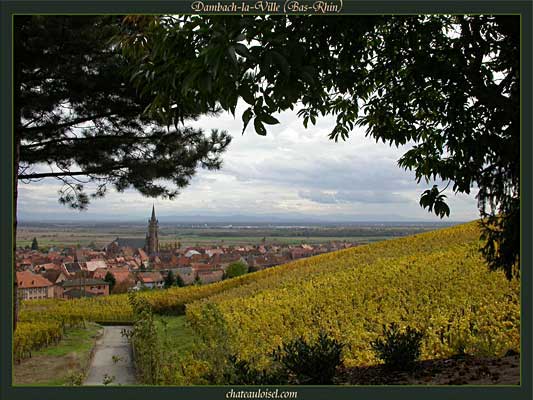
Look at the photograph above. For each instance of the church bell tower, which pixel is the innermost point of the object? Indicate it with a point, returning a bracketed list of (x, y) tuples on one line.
[(152, 239)]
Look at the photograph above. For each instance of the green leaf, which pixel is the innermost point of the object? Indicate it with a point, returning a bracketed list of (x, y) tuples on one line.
[(269, 102), (266, 62), (259, 127), (282, 62), (307, 77), (188, 81), (232, 55), (247, 94), (246, 117), (269, 119), (242, 50)]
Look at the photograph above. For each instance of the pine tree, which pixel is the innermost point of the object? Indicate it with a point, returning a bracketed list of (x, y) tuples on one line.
[(169, 280), (179, 281), (110, 278), (76, 111)]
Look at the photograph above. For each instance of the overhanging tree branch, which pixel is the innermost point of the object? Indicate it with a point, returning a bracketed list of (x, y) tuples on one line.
[(55, 127), (86, 139), (71, 173)]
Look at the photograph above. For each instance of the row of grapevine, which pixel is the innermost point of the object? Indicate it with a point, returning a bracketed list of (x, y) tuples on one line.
[(34, 335), (436, 282)]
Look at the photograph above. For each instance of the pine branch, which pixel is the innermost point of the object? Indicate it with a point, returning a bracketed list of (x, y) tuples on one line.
[(107, 170), (53, 127), (87, 139)]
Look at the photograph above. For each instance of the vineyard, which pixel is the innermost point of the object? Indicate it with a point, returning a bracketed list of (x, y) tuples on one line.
[(435, 282)]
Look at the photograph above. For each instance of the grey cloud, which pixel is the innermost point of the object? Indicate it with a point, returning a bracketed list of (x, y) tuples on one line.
[(327, 173), (353, 196), (318, 196)]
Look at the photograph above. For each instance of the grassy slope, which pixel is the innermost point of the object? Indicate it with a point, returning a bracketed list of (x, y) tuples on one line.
[(175, 333)]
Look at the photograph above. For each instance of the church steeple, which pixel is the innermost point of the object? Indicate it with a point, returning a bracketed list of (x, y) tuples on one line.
[(153, 213), (152, 239)]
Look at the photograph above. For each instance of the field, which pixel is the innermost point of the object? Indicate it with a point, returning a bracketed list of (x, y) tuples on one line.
[(99, 235), (436, 282)]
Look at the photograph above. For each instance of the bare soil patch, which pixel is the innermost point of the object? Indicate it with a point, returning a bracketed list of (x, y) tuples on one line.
[(455, 371)]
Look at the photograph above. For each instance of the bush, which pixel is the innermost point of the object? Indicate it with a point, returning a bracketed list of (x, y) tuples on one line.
[(398, 350), (235, 269), (74, 378), (312, 363), (241, 372), (179, 281)]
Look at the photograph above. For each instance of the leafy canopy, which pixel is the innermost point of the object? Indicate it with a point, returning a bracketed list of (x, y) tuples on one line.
[(446, 86)]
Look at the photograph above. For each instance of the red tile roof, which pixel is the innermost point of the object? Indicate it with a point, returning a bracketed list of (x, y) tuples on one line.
[(47, 267), (100, 273), (26, 279), (149, 277), (121, 276), (201, 266)]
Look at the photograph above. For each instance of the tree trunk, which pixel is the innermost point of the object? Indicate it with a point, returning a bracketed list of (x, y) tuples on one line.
[(15, 197), (17, 123)]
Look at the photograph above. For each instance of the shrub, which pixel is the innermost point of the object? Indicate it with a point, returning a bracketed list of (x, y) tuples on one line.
[(398, 350), (241, 372), (179, 281), (311, 363), (213, 348), (235, 269), (143, 338), (74, 378)]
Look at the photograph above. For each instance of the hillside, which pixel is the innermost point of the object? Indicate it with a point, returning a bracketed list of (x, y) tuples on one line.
[(436, 282)]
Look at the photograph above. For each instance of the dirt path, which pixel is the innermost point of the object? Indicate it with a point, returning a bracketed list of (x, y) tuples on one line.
[(112, 361)]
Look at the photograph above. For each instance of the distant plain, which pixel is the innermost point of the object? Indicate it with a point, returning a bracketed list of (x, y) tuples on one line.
[(205, 234)]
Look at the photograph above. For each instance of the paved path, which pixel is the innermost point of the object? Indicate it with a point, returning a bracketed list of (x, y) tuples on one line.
[(110, 344)]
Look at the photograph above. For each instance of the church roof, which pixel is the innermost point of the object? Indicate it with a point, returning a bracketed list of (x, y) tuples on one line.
[(135, 243)]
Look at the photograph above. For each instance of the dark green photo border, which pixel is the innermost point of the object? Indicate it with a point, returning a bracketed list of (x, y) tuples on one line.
[(8, 392)]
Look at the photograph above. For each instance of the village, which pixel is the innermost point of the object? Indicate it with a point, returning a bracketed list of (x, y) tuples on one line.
[(133, 264)]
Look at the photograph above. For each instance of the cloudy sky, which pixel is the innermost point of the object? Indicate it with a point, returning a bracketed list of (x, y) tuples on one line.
[(291, 173)]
